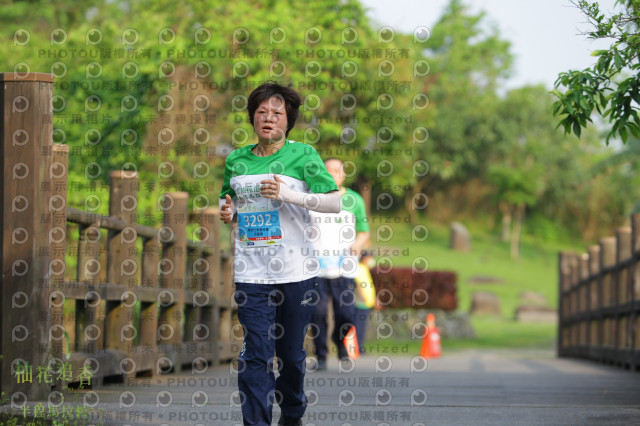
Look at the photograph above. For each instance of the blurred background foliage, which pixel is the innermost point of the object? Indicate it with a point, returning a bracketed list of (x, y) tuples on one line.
[(160, 87)]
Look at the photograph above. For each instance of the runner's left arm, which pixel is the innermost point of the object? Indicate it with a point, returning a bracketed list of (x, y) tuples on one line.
[(321, 203), (277, 189)]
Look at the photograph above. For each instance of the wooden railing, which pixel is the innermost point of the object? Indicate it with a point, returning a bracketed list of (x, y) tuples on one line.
[(599, 300), (143, 300)]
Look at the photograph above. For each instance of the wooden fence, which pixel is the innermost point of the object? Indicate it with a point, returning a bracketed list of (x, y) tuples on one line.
[(599, 300), (142, 311)]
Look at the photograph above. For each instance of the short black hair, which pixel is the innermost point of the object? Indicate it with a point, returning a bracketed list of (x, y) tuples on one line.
[(269, 89)]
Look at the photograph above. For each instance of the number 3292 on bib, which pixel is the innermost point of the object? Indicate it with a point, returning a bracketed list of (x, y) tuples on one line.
[(259, 229)]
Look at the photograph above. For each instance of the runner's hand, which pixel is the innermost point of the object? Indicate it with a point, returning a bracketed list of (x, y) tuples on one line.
[(226, 215), (271, 187)]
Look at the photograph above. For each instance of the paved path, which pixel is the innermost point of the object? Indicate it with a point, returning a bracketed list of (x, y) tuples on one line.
[(461, 388)]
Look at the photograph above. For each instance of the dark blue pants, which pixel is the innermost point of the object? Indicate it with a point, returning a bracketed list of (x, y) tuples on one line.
[(275, 318), (361, 319), (341, 292)]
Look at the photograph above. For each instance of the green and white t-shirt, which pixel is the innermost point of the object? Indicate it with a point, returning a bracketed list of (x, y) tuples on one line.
[(336, 232), (272, 245)]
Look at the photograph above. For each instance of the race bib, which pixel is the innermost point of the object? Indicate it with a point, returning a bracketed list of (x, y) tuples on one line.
[(259, 227)]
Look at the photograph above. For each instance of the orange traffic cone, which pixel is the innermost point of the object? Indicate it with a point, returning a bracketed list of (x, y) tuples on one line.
[(431, 347), (351, 343)]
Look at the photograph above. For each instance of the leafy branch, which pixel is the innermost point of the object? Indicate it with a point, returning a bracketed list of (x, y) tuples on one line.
[(612, 86)]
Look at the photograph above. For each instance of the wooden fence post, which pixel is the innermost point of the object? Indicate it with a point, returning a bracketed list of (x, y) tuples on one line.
[(149, 311), (193, 312), (593, 301), (623, 251), (26, 132), (594, 269), (607, 259), (623, 288), (58, 173), (564, 276), (579, 301), (122, 267), (210, 235), (584, 276), (90, 310), (568, 306), (172, 275), (227, 338)]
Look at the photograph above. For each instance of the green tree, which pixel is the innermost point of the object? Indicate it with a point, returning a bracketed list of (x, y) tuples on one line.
[(516, 170), (468, 63), (586, 190), (612, 86)]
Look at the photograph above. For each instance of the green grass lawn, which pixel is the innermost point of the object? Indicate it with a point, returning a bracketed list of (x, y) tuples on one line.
[(495, 332), (535, 270), (492, 332)]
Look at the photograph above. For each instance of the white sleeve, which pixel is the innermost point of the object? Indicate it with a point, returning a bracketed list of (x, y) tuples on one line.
[(321, 203)]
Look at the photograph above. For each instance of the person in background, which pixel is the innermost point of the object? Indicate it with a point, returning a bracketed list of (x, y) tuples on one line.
[(339, 240), (271, 186), (365, 297)]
